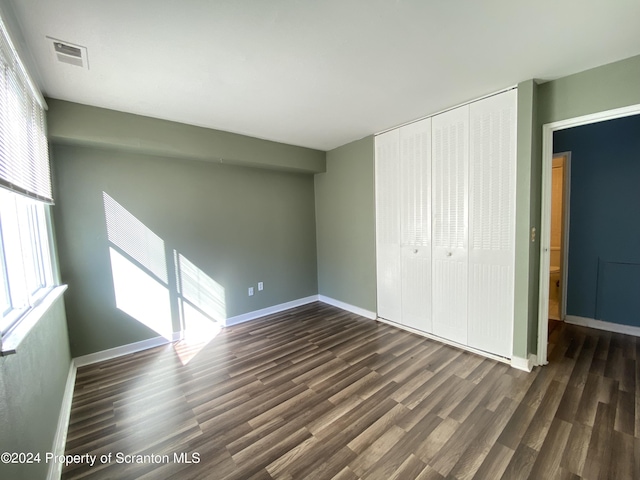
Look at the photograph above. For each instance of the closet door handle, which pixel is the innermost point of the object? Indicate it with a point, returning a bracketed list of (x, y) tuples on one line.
[(449, 254)]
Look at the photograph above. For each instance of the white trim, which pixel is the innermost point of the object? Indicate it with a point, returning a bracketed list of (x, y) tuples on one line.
[(594, 118), (445, 341), (545, 214), (124, 350), (525, 364), (10, 342), (60, 440), (601, 325), (349, 308), (545, 244), (245, 317)]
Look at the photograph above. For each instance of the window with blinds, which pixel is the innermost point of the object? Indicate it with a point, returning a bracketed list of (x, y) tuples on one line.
[(24, 154), (26, 275)]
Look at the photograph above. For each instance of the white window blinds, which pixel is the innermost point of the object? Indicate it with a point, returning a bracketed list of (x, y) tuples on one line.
[(24, 153)]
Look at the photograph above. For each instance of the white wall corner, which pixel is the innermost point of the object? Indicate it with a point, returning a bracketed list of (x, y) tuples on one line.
[(350, 308), (60, 439), (525, 364)]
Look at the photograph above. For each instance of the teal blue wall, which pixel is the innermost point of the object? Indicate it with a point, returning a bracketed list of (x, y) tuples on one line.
[(604, 233)]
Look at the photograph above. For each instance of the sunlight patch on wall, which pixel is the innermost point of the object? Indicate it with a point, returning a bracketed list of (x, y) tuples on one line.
[(203, 308), (139, 269), (134, 238), (199, 289), (140, 295)]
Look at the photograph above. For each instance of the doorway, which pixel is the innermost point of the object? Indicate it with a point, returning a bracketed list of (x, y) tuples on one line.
[(545, 224), (559, 229)]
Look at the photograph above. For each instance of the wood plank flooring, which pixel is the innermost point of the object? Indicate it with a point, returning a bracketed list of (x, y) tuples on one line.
[(319, 393)]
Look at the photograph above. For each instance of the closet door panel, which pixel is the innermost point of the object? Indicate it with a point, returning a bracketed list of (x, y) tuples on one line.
[(490, 308), (388, 259), (450, 158), (492, 169), (415, 224), (415, 183), (416, 288)]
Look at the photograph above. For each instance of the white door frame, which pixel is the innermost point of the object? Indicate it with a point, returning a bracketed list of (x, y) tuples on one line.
[(545, 220)]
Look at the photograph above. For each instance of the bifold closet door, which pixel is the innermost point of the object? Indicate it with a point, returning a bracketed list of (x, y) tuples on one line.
[(450, 159), (415, 224), (388, 263), (492, 171)]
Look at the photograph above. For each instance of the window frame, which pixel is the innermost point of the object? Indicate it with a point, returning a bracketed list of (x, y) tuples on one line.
[(32, 241), (30, 275)]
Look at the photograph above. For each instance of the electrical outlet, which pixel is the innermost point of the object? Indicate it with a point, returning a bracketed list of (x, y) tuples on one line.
[(260, 286), (250, 291)]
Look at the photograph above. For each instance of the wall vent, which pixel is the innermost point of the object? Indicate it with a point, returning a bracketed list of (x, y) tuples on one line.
[(69, 53)]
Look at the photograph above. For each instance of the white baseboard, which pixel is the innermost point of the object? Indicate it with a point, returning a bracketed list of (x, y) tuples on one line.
[(600, 325), (60, 440), (525, 364), (124, 350), (157, 341), (349, 308), (245, 317)]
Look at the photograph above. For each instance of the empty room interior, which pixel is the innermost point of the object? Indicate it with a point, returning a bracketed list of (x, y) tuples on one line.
[(342, 239)]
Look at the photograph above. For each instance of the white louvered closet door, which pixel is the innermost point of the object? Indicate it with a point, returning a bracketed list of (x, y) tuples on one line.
[(415, 224), (388, 264), (492, 169), (450, 157)]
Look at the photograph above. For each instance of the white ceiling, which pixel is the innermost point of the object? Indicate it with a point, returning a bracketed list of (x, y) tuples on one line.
[(316, 73)]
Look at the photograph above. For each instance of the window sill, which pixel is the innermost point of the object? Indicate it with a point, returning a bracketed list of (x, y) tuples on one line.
[(12, 340)]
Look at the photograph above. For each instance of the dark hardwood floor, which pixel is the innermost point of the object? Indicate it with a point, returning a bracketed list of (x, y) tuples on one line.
[(316, 392)]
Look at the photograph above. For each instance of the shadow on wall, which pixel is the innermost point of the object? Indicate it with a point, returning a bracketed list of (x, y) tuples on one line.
[(187, 302)]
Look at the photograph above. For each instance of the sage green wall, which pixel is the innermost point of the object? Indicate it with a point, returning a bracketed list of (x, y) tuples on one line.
[(99, 127), (525, 248), (345, 224), (603, 88), (600, 89), (32, 383), (238, 225)]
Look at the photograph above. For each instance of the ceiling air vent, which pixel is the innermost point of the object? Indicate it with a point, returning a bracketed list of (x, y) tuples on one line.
[(69, 53)]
